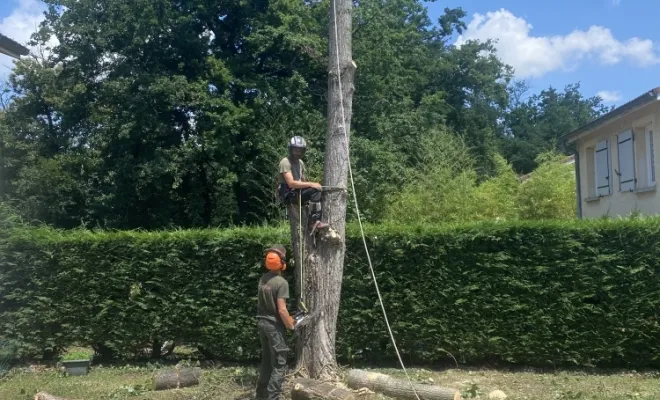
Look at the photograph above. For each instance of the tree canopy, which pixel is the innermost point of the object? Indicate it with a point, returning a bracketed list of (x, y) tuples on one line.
[(157, 113)]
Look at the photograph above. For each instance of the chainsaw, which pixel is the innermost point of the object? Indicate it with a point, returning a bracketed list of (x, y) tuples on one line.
[(302, 317)]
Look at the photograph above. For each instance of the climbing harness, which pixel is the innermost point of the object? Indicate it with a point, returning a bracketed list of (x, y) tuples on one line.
[(357, 210)]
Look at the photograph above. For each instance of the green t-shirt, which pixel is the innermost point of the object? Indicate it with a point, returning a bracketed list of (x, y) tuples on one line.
[(271, 287), (296, 169)]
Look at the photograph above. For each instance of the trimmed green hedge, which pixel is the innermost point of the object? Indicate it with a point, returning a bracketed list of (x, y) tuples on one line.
[(580, 293)]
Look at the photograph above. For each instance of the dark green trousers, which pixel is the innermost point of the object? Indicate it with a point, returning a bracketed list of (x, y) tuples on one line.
[(273, 359)]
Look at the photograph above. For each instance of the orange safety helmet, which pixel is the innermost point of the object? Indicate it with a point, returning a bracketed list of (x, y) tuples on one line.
[(275, 258)]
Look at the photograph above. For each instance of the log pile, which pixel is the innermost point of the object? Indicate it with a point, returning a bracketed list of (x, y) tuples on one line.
[(398, 388)]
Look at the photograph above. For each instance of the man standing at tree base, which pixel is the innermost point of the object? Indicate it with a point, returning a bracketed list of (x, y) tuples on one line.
[(273, 317)]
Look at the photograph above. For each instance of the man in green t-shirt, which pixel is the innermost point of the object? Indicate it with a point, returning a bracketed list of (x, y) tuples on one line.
[(292, 182), (273, 317)]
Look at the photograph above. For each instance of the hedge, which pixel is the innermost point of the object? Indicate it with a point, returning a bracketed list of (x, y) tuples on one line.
[(579, 293)]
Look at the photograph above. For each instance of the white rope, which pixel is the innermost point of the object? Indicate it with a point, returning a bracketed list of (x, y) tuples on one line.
[(357, 210), (300, 248)]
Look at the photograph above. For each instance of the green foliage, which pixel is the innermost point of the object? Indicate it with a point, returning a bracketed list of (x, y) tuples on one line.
[(552, 293), (76, 355), (8, 218), (533, 126), (178, 116), (550, 191), (444, 188), (439, 187), (9, 354)]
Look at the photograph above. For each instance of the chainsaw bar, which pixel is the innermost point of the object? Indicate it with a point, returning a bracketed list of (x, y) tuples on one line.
[(304, 320)]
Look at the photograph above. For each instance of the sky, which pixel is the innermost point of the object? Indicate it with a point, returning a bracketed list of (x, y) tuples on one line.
[(611, 47)]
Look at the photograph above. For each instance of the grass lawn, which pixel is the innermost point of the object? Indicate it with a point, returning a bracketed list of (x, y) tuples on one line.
[(223, 382)]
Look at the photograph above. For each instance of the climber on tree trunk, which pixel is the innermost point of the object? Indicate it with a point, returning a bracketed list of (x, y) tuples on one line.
[(292, 182)]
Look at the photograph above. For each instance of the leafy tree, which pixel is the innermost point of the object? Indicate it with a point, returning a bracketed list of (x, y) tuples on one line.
[(495, 198), (177, 115), (441, 188), (534, 126), (549, 193)]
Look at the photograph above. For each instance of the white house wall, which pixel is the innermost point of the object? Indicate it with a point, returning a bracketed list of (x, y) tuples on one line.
[(645, 198)]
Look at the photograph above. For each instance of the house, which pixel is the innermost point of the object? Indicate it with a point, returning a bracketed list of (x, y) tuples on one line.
[(616, 160), (12, 48)]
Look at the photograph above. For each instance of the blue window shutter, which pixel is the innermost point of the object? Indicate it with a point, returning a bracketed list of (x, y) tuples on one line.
[(626, 172), (602, 168)]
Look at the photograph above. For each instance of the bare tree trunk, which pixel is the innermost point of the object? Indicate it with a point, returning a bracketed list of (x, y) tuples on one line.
[(324, 252), (399, 388)]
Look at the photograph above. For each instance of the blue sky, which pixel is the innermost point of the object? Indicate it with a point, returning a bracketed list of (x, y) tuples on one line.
[(611, 47)]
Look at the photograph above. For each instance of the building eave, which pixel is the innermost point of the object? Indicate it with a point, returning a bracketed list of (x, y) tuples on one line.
[(12, 48), (644, 100)]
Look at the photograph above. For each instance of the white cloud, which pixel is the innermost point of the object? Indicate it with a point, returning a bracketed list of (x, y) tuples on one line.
[(609, 96), (19, 25), (534, 56)]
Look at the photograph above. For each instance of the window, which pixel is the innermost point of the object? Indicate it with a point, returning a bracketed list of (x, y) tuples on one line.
[(602, 168), (626, 170), (650, 156)]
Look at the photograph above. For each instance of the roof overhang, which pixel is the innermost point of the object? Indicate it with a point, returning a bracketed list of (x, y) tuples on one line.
[(644, 100), (12, 48)]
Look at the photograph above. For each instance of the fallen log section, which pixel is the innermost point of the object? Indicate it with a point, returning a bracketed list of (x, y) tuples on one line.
[(46, 396), (310, 389), (177, 378), (398, 388)]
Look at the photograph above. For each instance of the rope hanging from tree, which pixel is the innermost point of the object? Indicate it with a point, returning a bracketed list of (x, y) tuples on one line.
[(357, 210)]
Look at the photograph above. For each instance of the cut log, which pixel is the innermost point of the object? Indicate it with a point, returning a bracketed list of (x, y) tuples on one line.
[(398, 388), (177, 378), (46, 396), (310, 389)]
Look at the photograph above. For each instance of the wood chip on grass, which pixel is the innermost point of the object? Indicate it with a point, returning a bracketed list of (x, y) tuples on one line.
[(127, 383)]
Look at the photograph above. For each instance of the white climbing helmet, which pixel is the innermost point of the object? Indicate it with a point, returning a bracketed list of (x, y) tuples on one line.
[(297, 142)]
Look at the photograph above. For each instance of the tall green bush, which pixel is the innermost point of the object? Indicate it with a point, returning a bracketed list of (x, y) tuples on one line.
[(444, 188), (573, 293), (550, 191)]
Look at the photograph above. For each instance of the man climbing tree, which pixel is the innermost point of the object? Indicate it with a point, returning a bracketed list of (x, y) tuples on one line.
[(293, 186)]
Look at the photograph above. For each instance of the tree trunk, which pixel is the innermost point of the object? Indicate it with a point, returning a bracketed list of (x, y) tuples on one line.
[(324, 253), (46, 396), (177, 378), (398, 388), (308, 389)]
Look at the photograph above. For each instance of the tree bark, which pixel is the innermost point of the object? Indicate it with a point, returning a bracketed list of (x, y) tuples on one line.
[(46, 396), (177, 378), (398, 388), (308, 389), (324, 253)]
